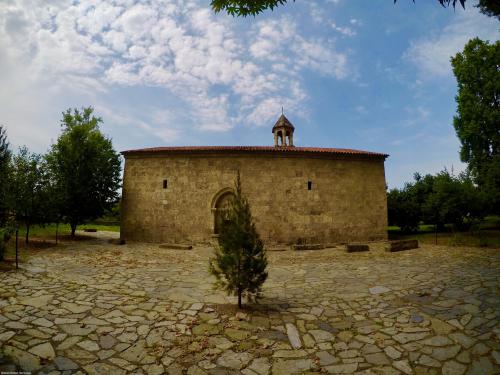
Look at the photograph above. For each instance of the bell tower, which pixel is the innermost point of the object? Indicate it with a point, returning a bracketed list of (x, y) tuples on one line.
[(283, 132)]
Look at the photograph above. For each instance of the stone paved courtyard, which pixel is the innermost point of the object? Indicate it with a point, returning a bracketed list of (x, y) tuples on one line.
[(97, 308)]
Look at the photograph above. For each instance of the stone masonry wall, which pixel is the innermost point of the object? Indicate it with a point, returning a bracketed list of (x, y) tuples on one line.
[(347, 201)]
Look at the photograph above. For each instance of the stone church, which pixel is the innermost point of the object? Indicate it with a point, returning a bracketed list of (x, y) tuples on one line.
[(297, 194)]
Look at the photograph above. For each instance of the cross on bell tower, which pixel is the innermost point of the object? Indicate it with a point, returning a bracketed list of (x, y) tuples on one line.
[(283, 132)]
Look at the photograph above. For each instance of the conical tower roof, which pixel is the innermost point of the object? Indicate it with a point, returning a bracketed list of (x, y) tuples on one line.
[(283, 122)]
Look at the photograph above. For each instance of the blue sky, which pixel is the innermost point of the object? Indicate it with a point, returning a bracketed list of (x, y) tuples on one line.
[(353, 74)]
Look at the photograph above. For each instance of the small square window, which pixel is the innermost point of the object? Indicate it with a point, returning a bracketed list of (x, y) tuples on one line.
[(309, 185), (165, 184)]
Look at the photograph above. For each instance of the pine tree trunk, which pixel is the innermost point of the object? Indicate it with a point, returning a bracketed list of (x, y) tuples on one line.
[(239, 285), (27, 233)]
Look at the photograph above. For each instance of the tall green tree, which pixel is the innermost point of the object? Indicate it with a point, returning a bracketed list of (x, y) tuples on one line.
[(85, 168), (403, 209), (477, 122), (240, 260), (29, 189), (453, 200), (5, 159)]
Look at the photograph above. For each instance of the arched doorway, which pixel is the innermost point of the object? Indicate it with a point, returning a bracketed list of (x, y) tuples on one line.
[(221, 206)]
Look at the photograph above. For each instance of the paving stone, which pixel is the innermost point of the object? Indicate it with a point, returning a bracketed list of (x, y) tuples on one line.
[(443, 354), (236, 334), (103, 354), (428, 361), (403, 366), (89, 345), (480, 349), (464, 357), (205, 329), (321, 336), (157, 369), (377, 359), (496, 356), (403, 338), (5, 336), (77, 329), (292, 366), (348, 353), (440, 327), (135, 353), (69, 342), (437, 341), (75, 308), (234, 360), (103, 369), (107, 341), (289, 353), (260, 366), (481, 366), (346, 368), (65, 364), (392, 352), (293, 336), (379, 289), (42, 322), (326, 358), (44, 350), (453, 368), (464, 340), (345, 336), (27, 361), (415, 318), (17, 325), (38, 301)]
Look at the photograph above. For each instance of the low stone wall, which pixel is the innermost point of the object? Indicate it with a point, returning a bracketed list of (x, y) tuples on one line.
[(308, 247), (356, 248), (402, 245)]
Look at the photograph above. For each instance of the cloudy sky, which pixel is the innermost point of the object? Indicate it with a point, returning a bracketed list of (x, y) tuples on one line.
[(355, 74)]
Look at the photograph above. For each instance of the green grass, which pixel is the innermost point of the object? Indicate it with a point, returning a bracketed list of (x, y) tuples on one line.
[(42, 237), (49, 231), (488, 236)]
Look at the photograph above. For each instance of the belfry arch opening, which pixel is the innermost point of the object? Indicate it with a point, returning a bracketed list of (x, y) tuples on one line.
[(220, 208)]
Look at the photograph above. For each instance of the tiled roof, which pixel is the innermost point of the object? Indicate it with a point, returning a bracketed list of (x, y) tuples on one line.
[(253, 149)]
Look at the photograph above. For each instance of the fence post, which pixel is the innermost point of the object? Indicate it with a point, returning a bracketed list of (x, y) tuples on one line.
[(17, 247)]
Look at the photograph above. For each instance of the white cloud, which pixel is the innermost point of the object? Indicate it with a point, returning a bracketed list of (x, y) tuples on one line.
[(223, 75), (279, 41), (346, 30), (431, 54)]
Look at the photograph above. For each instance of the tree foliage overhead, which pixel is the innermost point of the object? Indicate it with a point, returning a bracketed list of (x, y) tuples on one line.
[(490, 8), (243, 8), (85, 167), (477, 121), (240, 260)]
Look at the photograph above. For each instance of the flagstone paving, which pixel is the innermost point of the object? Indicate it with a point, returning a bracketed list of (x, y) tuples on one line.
[(96, 308)]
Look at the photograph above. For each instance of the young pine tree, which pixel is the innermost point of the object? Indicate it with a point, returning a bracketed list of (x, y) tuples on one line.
[(240, 260)]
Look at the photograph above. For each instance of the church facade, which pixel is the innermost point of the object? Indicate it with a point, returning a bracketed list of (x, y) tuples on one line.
[(296, 194)]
